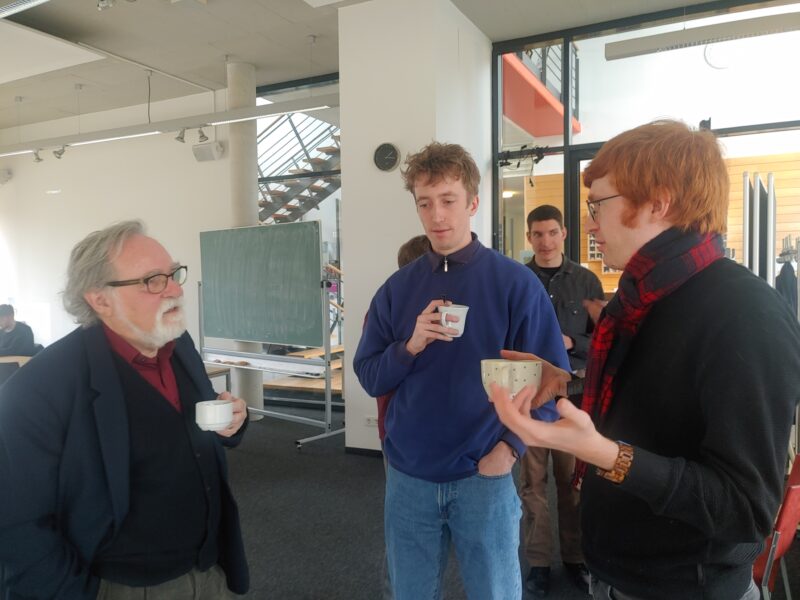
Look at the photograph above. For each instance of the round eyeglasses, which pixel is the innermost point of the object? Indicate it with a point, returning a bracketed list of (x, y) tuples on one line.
[(591, 205), (156, 283)]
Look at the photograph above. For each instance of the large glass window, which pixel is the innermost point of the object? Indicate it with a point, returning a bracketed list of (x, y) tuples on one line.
[(715, 71), (527, 185), (299, 168), (733, 83), (533, 111)]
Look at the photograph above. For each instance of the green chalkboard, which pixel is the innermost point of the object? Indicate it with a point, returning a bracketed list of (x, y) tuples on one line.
[(262, 284)]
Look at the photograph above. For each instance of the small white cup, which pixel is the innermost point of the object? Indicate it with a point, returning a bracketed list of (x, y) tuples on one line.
[(457, 310), (213, 415), (511, 374)]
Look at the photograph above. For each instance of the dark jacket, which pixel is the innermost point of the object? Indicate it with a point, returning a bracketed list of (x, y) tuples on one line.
[(64, 467), (18, 341), (568, 288), (705, 395)]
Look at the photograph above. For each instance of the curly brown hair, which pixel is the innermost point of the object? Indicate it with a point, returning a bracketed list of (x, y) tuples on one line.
[(438, 161)]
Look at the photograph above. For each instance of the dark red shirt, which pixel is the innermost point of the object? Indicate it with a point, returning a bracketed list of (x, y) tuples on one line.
[(156, 371)]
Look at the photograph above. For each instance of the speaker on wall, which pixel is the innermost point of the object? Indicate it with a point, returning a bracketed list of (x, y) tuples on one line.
[(209, 151)]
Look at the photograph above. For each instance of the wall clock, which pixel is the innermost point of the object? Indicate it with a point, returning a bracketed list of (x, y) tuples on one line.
[(386, 157)]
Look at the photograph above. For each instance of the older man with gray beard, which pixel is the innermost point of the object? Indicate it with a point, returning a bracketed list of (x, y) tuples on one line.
[(111, 491)]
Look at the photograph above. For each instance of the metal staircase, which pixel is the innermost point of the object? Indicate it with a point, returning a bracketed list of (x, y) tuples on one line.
[(299, 166)]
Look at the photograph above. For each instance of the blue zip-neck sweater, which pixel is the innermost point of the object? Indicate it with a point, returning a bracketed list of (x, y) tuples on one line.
[(440, 423)]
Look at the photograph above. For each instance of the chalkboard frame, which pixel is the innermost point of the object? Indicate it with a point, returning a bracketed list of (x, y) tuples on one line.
[(264, 284)]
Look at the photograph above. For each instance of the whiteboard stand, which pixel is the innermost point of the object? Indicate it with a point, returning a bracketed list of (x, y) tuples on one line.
[(268, 285), (285, 365), (291, 365)]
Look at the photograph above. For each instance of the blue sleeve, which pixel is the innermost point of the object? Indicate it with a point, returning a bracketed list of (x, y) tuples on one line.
[(381, 361), (537, 331)]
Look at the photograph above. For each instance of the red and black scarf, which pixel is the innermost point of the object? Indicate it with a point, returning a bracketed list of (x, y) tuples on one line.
[(660, 267)]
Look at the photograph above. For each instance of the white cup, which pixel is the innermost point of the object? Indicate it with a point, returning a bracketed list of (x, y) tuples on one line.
[(511, 374), (457, 310), (213, 415)]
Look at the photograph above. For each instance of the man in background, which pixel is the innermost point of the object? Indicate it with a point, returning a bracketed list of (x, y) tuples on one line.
[(568, 284), (449, 478), (110, 489), (16, 338)]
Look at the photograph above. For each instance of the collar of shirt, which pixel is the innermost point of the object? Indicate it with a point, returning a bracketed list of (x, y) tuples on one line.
[(132, 356), (565, 267), (157, 371), (459, 257)]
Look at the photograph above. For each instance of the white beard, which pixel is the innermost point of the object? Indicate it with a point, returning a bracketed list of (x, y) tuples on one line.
[(164, 330)]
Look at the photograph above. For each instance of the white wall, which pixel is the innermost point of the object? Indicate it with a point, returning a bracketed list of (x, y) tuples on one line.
[(153, 178), (411, 72)]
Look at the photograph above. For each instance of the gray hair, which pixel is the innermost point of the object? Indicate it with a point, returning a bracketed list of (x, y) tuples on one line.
[(90, 266)]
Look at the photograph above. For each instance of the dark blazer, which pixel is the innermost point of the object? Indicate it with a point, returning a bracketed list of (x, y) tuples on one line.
[(64, 465)]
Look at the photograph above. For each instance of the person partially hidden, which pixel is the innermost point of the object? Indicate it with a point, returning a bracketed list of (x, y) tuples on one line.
[(16, 338)]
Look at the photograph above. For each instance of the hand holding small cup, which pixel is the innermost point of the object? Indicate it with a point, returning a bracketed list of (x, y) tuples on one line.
[(224, 415), (454, 316), (431, 326)]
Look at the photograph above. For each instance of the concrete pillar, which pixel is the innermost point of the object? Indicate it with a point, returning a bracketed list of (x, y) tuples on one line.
[(244, 200)]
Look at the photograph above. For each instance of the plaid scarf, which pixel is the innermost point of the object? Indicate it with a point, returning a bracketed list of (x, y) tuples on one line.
[(659, 268)]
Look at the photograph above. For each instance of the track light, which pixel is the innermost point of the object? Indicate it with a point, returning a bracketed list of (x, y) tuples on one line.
[(36, 157), (180, 136), (234, 115), (700, 36), (201, 137), (60, 152)]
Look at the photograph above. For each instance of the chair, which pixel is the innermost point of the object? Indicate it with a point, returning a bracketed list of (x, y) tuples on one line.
[(777, 544), (7, 370)]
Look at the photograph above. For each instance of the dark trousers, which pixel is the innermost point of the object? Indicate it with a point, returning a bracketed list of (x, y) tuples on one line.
[(537, 530), (600, 590)]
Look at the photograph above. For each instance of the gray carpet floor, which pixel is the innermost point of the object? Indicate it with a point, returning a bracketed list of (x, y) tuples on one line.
[(313, 520)]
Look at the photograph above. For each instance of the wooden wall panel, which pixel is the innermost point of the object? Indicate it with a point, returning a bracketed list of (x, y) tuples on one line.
[(786, 168)]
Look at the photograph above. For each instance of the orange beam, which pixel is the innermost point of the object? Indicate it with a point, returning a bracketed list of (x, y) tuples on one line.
[(529, 104)]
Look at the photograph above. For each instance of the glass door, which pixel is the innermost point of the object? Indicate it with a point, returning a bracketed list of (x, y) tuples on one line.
[(580, 244)]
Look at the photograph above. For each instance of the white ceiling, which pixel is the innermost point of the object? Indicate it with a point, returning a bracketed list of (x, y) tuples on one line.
[(192, 39)]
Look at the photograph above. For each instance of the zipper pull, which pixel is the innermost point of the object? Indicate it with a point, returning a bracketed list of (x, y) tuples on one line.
[(445, 264)]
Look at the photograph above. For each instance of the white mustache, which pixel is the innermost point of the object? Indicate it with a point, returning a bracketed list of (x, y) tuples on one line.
[(169, 304)]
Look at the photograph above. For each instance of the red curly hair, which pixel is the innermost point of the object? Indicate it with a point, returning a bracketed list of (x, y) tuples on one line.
[(668, 157)]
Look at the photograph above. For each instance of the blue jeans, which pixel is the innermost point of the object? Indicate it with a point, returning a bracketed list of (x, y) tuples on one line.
[(478, 515)]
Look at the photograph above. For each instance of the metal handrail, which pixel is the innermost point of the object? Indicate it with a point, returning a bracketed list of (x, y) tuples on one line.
[(545, 63)]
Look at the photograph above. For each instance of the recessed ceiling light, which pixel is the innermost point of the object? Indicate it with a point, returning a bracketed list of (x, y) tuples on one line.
[(52, 192)]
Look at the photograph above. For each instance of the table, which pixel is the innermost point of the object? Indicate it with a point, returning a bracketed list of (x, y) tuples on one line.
[(213, 371), (20, 360)]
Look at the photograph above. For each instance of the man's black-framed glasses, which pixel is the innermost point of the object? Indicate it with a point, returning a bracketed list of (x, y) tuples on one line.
[(591, 205), (156, 283)]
